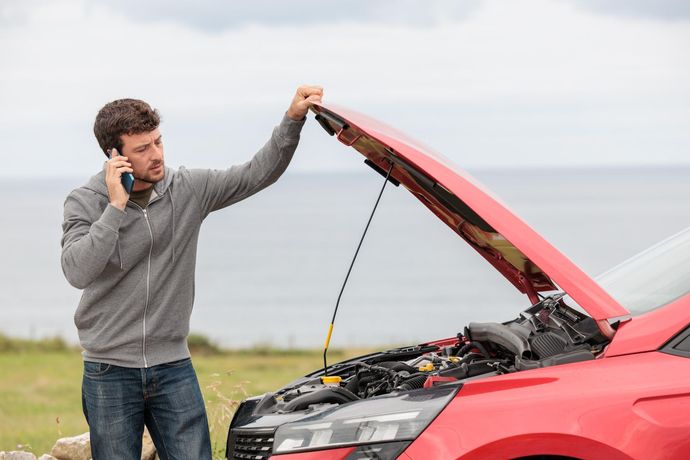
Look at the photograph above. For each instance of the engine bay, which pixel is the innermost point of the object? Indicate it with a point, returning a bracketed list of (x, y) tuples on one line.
[(546, 334)]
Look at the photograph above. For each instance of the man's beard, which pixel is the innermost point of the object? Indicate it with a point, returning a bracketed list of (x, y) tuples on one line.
[(142, 179), (148, 179)]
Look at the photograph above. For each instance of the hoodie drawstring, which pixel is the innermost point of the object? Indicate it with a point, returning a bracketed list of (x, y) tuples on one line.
[(119, 254), (172, 203)]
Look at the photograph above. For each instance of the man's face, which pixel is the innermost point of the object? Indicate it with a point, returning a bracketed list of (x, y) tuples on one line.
[(145, 153)]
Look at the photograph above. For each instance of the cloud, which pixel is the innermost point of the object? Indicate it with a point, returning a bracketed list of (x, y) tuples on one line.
[(516, 83), (215, 16), (667, 10), (17, 12)]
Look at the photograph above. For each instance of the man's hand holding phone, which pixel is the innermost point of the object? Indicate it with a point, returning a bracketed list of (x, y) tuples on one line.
[(115, 167)]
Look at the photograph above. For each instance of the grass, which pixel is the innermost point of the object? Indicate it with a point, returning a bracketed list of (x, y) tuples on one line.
[(40, 387)]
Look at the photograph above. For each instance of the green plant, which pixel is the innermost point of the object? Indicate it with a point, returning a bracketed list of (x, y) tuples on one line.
[(14, 344), (220, 409), (201, 345)]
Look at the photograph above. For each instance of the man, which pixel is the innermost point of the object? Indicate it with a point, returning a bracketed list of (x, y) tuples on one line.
[(134, 257)]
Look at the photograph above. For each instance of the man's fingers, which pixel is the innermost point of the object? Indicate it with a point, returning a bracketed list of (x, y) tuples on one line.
[(314, 98), (315, 90), (318, 87), (305, 97), (307, 91), (119, 163), (308, 102), (310, 99), (117, 173)]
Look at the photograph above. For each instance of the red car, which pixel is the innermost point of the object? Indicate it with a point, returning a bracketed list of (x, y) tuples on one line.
[(588, 370)]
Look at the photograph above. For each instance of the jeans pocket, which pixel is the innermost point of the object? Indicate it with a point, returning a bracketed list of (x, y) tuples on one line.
[(95, 369)]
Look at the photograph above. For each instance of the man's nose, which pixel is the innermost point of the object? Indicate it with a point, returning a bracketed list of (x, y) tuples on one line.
[(157, 153)]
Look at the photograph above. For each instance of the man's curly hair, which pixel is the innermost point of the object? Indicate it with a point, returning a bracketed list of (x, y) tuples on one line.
[(123, 116)]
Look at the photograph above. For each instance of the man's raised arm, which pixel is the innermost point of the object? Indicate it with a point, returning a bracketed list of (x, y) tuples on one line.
[(217, 189)]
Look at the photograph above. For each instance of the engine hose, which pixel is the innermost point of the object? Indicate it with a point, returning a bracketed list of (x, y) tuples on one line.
[(459, 372), (413, 383), (327, 395), (397, 366), (469, 346), (375, 368), (503, 336), (481, 348), (464, 349), (467, 359), (365, 380), (353, 384)]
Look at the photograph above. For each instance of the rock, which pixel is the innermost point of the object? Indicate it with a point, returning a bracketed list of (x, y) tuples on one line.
[(17, 455), (148, 450), (79, 448), (74, 448)]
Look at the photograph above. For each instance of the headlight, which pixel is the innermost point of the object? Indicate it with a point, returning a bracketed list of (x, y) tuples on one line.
[(386, 418)]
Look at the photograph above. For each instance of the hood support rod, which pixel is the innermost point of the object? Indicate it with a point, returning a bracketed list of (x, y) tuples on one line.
[(337, 303), (528, 284)]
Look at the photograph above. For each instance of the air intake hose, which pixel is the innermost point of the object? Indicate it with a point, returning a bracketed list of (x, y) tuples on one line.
[(503, 336)]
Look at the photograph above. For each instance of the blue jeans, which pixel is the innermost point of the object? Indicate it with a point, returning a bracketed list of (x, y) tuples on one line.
[(119, 401)]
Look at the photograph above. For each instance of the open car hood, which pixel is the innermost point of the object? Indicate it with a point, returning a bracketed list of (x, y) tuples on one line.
[(526, 259)]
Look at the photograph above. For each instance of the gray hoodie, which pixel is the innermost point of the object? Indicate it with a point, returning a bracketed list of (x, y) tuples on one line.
[(136, 266)]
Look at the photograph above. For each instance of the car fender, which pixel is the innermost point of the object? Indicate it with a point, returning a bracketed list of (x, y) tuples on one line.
[(556, 444)]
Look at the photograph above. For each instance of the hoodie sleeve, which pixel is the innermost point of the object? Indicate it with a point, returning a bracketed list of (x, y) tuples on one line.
[(217, 189), (86, 245)]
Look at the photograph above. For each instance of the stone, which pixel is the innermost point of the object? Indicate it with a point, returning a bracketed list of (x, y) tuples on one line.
[(79, 448), (17, 455), (74, 448)]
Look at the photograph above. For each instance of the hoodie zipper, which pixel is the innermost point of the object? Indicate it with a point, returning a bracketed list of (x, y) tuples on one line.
[(148, 282)]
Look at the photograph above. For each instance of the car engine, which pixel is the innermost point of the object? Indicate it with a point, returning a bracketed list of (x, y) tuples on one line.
[(547, 334)]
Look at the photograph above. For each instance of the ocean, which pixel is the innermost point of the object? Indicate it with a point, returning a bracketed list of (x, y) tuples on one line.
[(269, 269)]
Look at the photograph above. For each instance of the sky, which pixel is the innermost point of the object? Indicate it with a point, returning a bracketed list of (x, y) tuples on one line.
[(488, 83)]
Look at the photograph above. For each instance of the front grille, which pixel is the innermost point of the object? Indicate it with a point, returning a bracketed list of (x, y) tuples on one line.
[(250, 445)]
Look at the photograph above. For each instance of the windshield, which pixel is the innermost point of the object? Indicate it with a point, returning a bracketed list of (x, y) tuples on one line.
[(653, 278)]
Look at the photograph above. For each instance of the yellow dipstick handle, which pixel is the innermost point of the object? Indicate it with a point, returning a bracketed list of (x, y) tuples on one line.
[(328, 337)]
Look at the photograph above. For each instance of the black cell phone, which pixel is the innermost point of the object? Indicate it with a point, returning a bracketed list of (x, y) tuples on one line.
[(126, 178)]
